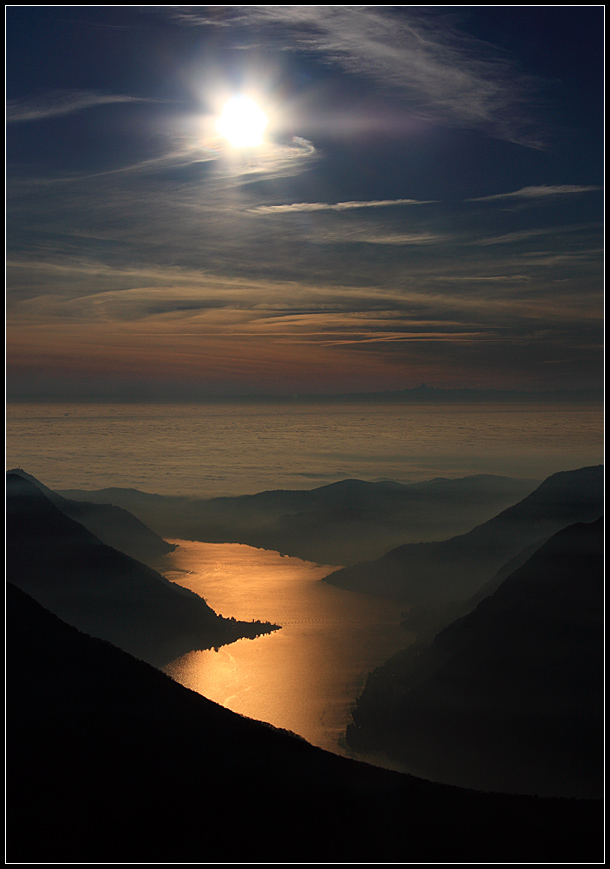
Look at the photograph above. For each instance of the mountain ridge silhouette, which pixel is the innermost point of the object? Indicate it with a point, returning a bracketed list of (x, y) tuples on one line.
[(103, 591), (109, 760), (510, 696), (438, 573), (111, 524), (340, 523)]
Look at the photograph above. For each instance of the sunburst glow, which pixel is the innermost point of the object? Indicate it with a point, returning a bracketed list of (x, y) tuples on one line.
[(242, 123)]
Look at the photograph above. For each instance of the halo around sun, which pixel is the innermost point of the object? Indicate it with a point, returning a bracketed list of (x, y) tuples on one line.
[(242, 123)]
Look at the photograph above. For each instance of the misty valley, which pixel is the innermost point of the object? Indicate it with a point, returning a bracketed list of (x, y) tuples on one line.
[(470, 659)]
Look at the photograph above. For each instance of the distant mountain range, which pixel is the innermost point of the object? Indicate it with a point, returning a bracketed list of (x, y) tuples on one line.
[(435, 574), (509, 697), (341, 523), (431, 394), (101, 590), (109, 761), (422, 394)]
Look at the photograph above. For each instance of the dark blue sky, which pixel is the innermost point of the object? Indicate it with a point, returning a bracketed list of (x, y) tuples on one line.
[(426, 204)]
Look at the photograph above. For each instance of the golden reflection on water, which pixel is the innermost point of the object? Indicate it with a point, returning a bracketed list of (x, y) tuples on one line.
[(303, 677)]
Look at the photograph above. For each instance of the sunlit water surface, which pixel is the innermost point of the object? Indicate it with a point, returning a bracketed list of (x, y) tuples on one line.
[(304, 677)]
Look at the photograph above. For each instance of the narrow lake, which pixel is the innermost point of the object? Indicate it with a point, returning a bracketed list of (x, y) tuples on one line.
[(304, 677)]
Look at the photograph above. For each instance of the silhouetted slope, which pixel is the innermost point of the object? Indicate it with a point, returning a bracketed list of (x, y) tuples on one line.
[(110, 761), (455, 569), (342, 523), (102, 591), (427, 621), (510, 697), (112, 525)]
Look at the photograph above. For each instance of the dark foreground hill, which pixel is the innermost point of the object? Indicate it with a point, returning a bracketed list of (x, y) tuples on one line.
[(103, 591), (112, 525), (342, 523), (434, 574), (110, 761), (509, 697)]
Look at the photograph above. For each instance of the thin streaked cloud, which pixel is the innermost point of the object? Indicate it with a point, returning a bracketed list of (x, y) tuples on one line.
[(520, 236), (399, 239), (539, 192), (370, 234), (54, 290), (62, 102), (295, 207), (488, 279)]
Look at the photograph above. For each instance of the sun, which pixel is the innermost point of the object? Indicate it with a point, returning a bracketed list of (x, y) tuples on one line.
[(242, 123)]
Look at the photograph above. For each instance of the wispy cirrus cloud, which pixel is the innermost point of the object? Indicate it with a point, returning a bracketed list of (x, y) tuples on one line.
[(398, 238), (368, 233), (62, 102), (518, 236), (446, 75), (294, 207), (485, 279), (541, 191), (53, 290)]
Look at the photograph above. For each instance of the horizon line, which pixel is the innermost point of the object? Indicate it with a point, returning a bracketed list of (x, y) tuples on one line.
[(423, 391)]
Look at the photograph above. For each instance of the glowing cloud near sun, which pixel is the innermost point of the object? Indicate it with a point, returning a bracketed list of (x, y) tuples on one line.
[(242, 123)]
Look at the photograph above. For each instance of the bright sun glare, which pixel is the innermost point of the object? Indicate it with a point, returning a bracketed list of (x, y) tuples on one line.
[(242, 123)]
